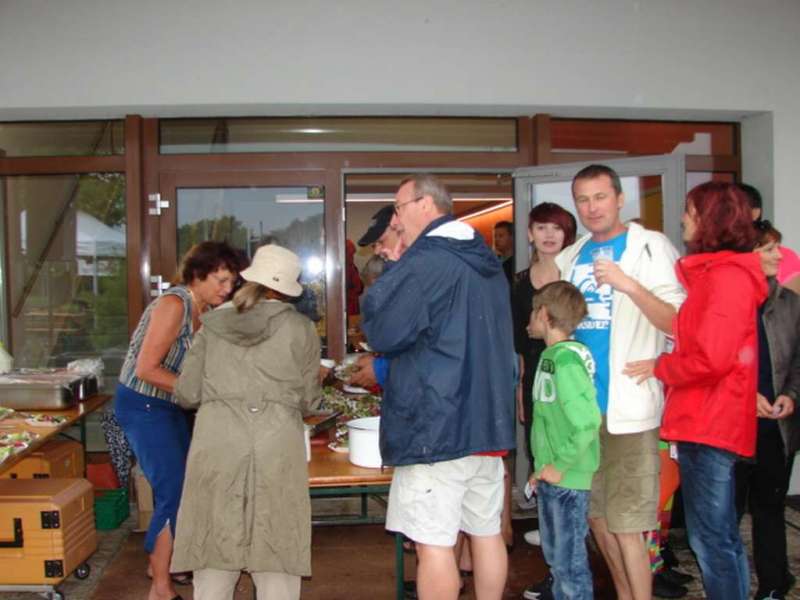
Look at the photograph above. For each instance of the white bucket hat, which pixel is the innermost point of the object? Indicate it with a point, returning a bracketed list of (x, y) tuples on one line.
[(276, 268)]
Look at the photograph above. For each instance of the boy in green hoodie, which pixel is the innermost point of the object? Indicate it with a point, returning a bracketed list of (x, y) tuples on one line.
[(565, 437)]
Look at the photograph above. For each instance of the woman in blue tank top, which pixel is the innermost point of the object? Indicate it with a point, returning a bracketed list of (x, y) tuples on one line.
[(154, 425)]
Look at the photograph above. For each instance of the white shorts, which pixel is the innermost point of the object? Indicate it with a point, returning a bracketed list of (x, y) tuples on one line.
[(431, 503)]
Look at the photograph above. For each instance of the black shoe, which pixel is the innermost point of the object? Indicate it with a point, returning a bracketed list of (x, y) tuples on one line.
[(663, 588), (772, 595), (789, 583), (670, 560), (540, 591), (676, 577)]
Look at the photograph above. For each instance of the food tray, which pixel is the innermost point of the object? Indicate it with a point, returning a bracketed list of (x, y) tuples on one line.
[(47, 389)]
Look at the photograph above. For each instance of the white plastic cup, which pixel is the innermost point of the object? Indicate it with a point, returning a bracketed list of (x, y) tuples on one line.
[(603, 253)]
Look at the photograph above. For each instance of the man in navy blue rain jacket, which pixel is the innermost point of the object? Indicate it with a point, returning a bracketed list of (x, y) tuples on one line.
[(441, 315)]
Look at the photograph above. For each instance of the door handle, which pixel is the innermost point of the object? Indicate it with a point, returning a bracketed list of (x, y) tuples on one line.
[(158, 285)]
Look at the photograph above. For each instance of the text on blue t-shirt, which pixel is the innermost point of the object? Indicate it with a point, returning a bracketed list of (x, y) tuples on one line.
[(595, 330)]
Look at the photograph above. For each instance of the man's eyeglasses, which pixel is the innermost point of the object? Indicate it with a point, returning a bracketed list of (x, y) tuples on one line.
[(397, 207)]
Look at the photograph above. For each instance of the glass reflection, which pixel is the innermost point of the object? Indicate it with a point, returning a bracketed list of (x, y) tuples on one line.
[(249, 217), (67, 272)]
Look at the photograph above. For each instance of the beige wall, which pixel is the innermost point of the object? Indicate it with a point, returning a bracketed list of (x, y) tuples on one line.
[(729, 59)]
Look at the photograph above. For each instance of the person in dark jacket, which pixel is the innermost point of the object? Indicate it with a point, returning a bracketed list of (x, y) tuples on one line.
[(503, 235), (762, 484), (441, 315)]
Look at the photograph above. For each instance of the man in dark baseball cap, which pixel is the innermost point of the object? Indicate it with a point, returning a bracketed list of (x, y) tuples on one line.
[(386, 243), (377, 227)]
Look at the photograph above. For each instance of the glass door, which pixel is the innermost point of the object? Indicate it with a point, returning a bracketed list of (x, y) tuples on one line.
[(248, 210), (654, 188)]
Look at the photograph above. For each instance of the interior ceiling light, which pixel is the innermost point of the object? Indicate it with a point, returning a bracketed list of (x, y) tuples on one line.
[(486, 210)]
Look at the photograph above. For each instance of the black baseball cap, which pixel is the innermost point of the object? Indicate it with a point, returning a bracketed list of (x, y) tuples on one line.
[(380, 221)]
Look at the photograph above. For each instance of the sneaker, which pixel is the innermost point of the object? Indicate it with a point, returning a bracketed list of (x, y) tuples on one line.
[(540, 591), (533, 537), (773, 595)]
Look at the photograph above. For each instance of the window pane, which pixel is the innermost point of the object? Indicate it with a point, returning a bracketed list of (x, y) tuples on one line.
[(338, 134), (63, 138), (67, 273), (251, 217), (616, 139)]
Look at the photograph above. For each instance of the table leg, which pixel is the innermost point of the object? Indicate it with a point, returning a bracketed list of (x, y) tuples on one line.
[(82, 426), (399, 565)]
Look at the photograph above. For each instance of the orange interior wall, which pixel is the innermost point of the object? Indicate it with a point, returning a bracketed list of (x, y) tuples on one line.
[(484, 224)]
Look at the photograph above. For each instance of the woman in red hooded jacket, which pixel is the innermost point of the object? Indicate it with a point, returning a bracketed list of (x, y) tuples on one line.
[(711, 377)]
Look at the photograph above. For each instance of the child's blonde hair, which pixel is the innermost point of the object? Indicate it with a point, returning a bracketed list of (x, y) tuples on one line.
[(566, 306)]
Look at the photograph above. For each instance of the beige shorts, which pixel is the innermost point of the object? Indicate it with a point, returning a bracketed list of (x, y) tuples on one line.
[(431, 503), (625, 487)]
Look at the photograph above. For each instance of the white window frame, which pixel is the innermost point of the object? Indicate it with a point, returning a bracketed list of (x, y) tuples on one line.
[(671, 168)]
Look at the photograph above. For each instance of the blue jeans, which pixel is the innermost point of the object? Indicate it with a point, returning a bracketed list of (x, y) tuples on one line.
[(159, 437), (709, 500), (563, 527)]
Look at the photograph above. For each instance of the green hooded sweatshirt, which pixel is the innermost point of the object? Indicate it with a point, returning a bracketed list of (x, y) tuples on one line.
[(566, 418)]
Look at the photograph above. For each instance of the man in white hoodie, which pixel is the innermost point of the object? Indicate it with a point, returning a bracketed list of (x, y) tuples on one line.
[(627, 276)]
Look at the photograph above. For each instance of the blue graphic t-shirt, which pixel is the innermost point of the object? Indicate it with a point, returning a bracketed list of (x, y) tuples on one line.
[(595, 330)]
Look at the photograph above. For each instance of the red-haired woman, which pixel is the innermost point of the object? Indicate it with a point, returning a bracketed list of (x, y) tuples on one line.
[(550, 229), (712, 376)]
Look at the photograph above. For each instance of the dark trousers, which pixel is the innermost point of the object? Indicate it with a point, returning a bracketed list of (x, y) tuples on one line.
[(761, 488)]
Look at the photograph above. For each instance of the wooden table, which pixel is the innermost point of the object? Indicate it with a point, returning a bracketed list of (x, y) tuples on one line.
[(332, 474), (76, 414)]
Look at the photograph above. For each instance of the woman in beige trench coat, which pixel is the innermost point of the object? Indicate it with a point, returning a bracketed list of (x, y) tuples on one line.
[(252, 372)]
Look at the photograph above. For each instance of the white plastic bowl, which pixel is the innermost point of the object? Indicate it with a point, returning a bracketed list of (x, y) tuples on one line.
[(363, 442)]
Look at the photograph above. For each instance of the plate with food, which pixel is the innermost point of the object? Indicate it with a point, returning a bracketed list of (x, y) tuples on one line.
[(344, 372), (44, 420)]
